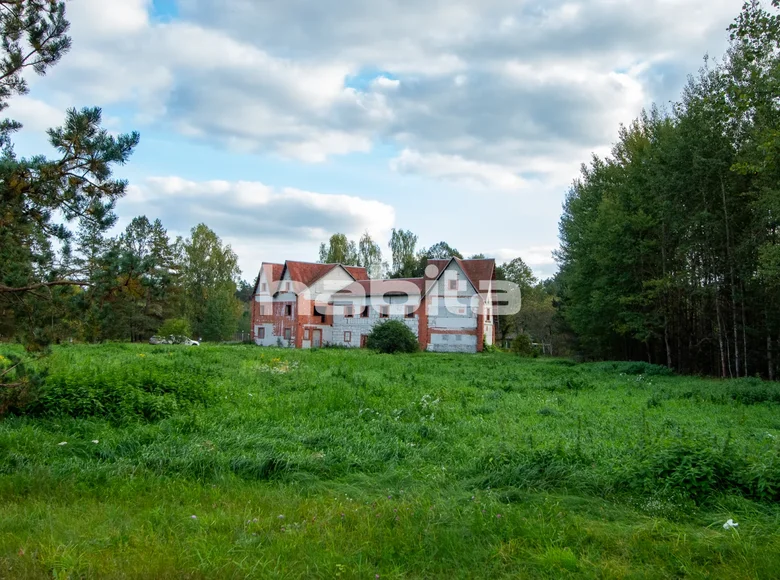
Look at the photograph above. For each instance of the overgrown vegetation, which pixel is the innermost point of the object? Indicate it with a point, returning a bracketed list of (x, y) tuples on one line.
[(416, 465), (391, 337)]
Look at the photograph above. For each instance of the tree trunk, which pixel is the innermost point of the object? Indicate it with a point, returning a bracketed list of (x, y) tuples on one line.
[(744, 335), (770, 362), (720, 339), (731, 277)]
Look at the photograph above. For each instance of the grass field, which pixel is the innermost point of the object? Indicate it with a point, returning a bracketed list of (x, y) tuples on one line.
[(242, 462)]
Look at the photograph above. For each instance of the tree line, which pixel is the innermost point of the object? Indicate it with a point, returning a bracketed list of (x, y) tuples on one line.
[(669, 247), (61, 275)]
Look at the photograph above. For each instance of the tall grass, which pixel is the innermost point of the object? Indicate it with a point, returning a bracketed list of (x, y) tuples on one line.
[(404, 466)]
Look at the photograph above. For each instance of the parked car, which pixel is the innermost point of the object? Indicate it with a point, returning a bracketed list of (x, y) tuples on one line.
[(173, 340)]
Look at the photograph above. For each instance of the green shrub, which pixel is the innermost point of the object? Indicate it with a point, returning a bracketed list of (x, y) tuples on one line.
[(175, 327), (523, 346), (694, 469), (391, 337), (129, 388)]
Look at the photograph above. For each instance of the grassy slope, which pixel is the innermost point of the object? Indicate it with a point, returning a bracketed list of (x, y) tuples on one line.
[(355, 465)]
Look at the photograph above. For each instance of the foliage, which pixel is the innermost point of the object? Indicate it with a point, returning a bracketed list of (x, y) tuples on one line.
[(125, 387), (209, 279), (366, 254), (402, 248), (661, 242), (175, 327), (392, 336), (339, 250), (523, 346)]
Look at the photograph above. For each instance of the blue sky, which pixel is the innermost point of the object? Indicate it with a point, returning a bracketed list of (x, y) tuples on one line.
[(279, 123)]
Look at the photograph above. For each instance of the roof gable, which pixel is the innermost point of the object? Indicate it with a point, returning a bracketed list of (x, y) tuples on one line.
[(474, 270), (273, 273), (307, 273)]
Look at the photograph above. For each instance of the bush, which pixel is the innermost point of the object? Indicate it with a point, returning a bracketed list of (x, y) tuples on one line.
[(523, 346), (391, 337), (175, 327), (126, 389)]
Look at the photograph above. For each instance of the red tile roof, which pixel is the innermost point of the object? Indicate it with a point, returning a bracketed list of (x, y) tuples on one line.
[(357, 272), (402, 286), (478, 271), (307, 272)]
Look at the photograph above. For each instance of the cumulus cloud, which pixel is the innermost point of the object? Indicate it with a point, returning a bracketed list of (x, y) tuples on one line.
[(459, 170), (539, 258), (490, 82), (254, 211), (261, 223)]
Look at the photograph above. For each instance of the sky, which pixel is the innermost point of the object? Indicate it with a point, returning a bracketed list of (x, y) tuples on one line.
[(280, 122)]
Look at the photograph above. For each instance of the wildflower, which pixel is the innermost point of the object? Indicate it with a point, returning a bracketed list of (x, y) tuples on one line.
[(280, 516), (95, 441), (731, 524), (194, 517), (498, 516), (62, 443)]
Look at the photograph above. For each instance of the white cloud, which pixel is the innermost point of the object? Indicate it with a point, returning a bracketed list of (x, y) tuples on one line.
[(262, 223), (509, 78), (34, 114), (538, 258), (454, 168), (257, 211)]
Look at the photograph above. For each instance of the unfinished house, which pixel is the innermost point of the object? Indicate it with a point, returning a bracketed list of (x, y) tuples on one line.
[(307, 305)]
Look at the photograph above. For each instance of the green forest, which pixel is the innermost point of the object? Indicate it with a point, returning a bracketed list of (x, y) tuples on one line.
[(669, 247)]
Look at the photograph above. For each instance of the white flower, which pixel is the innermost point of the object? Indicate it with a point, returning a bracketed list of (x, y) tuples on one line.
[(63, 443), (95, 441), (194, 517), (281, 517), (730, 525)]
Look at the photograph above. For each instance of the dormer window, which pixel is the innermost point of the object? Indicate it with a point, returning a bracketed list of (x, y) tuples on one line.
[(453, 284), (288, 310)]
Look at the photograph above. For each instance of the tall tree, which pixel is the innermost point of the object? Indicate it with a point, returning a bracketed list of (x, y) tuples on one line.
[(403, 244), (370, 256), (339, 250), (210, 275)]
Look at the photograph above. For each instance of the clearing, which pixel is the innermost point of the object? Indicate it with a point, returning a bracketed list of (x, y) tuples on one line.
[(145, 461)]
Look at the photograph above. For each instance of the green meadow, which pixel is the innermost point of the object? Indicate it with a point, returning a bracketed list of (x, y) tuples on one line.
[(136, 461)]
